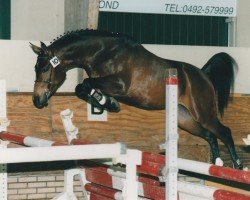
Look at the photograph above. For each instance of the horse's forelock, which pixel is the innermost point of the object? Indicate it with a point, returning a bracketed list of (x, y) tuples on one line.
[(38, 67)]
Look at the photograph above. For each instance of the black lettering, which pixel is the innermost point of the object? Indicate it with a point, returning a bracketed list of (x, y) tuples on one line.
[(172, 7), (55, 61), (108, 4), (167, 6), (101, 4), (115, 4), (176, 8)]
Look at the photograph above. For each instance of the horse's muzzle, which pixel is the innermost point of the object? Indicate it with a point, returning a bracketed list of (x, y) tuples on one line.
[(40, 102)]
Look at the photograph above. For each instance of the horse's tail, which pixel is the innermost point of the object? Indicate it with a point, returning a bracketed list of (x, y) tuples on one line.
[(221, 69)]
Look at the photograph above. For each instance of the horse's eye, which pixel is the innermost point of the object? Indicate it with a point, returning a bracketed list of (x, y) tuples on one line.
[(49, 85), (45, 69)]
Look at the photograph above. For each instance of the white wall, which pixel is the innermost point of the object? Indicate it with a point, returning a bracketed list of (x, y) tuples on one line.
[(37, 19), (243, 24), (198, 56), (47, 19), (18, 60)]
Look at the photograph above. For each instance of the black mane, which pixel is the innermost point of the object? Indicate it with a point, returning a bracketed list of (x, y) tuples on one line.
[(72, 35)]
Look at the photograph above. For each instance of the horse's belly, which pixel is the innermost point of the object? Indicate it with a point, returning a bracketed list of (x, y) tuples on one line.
[(148, 97)]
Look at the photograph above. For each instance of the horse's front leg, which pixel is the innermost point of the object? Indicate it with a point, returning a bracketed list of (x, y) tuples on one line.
[(91, 90)]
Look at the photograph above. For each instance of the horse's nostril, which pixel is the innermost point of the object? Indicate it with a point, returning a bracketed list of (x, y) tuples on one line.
[(40, 102)]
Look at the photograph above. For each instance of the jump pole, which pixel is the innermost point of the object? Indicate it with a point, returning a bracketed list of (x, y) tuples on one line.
[(214, 170), (57, 153), (28, 140)]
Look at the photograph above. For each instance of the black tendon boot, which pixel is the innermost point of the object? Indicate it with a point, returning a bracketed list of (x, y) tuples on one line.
[(82, 92), (108, 103)]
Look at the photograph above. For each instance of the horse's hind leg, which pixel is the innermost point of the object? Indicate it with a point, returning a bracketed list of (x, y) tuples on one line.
[(187, 123), (224, 134)]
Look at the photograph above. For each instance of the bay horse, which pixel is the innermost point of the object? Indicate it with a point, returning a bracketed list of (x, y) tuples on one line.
[(122, 70)]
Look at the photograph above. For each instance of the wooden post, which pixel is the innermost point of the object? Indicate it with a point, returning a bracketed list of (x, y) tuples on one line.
[(81, 14), (93, 14)]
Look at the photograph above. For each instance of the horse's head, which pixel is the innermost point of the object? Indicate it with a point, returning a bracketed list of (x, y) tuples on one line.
[(50, 75)]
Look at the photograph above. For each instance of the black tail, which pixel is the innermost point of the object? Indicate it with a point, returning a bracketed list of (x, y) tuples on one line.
[(221, 69)]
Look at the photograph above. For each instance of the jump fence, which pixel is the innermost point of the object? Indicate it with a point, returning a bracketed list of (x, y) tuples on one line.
[(107, 182)]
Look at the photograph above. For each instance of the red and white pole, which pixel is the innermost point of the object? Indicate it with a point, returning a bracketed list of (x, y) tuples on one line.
[(214, 170), (28, 140), (206, 192)]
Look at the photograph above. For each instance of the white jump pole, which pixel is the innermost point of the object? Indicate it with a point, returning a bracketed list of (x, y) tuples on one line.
[(171, 135), (56, 153)]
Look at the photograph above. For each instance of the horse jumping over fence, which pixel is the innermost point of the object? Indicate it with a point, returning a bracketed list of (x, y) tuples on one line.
[(120, 69)]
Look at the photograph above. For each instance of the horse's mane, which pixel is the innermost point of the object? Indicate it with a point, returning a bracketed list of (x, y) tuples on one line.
[(72, 35)]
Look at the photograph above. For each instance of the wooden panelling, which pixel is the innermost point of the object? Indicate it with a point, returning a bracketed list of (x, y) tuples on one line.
[(135, 127), (25, 118)]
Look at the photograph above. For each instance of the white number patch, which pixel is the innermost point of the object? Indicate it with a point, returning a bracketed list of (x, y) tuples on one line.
[(54, 61)]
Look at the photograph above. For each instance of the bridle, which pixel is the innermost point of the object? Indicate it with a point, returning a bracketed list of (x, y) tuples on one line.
[(54, 62), (49, 82)]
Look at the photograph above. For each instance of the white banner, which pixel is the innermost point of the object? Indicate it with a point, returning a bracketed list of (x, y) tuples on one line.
[(223, 8)]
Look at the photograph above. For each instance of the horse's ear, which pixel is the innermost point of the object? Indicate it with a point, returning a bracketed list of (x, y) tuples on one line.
[(35, 48), (45, 49)]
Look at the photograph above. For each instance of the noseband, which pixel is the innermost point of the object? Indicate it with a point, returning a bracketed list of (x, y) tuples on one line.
[(49, 82)]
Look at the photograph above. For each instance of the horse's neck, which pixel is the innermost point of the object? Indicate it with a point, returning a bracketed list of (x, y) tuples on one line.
[(79, 55)]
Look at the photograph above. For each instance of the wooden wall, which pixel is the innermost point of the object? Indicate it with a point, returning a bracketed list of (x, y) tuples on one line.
[(135, 127)]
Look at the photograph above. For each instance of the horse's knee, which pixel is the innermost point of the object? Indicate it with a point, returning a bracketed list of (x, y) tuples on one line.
[(81, 91)]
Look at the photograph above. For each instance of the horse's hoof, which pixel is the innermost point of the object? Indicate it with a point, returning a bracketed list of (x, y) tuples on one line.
[(219, 162), (238, 165), (112, 105)]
